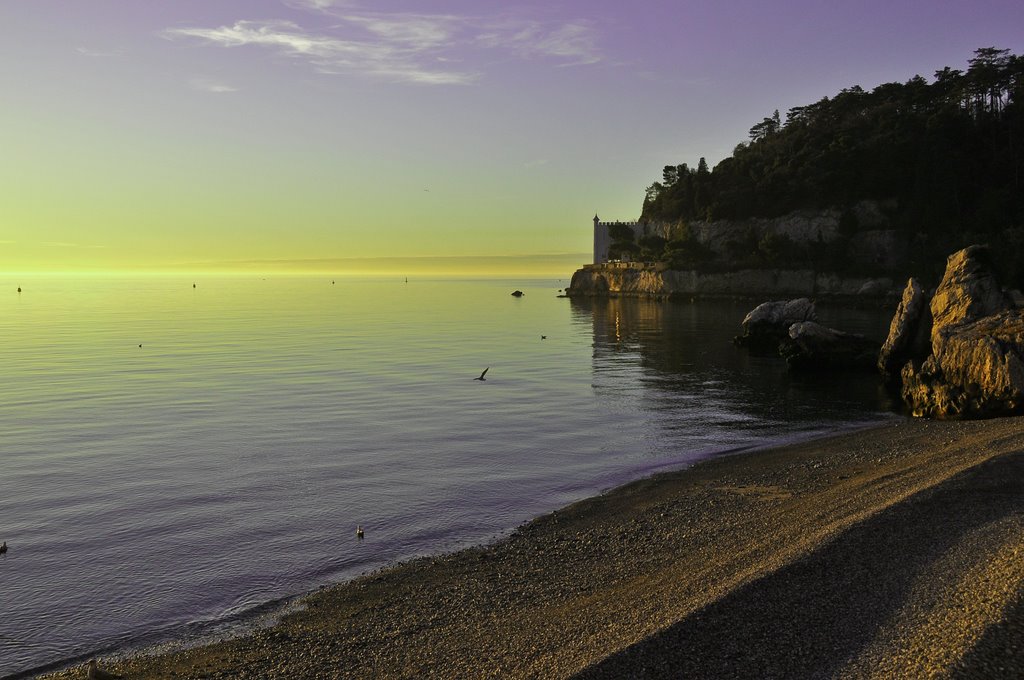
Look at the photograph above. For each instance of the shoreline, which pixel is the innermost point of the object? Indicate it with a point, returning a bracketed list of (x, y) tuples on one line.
[(265, 615), (599, 587)]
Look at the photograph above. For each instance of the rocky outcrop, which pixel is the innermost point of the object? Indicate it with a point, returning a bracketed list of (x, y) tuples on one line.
[(809, 345), (909, 333), (630, 280), (768, 323), (968, 291), (976, 363)]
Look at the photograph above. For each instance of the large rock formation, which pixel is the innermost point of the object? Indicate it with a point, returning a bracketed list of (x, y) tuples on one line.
[(968, 291), (810, 345), (976, 363), (909, 333), (768, 323)]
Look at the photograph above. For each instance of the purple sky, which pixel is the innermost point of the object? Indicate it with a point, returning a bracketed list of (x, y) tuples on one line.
[(162, 131)]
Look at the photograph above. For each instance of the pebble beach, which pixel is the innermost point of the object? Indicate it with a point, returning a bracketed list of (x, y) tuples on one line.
[(895, 551)]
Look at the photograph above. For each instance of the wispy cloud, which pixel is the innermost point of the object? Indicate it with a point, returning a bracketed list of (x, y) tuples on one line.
[(535, 163), (571, 43), (403, 46), (395, 55), (209, 85)]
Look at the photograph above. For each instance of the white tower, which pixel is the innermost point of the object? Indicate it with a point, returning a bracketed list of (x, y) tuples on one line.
[(600, 241)]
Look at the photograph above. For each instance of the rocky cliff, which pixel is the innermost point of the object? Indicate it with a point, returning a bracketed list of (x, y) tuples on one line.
[(631, 280)]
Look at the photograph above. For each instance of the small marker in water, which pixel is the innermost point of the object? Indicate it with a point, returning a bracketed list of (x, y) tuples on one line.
[(359, 532), (3, 548)]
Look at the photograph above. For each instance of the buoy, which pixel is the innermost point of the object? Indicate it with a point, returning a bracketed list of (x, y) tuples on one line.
[(359, 532)]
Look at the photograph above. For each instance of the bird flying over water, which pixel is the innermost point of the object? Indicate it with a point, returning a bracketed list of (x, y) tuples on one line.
[(483, 374)]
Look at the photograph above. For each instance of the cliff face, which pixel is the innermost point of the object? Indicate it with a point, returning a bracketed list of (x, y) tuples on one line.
[(619, 280)]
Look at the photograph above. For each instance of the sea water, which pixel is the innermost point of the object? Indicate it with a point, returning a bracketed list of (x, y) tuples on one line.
[(176, 452)]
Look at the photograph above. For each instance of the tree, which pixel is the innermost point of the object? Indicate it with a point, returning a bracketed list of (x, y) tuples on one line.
[(669, 175), (766, 128), (620, 232)]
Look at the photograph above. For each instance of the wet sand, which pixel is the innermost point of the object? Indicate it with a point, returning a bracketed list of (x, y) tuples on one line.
[(891, 552)]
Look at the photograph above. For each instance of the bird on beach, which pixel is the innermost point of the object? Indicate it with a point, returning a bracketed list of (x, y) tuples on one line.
[(96, 673), (3, 548), (359, 531), (483, 374)]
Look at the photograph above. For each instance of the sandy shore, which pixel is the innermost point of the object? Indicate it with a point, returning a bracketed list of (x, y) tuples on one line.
[(893, 552)]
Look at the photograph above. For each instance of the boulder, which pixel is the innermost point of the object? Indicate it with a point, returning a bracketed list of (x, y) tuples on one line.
[(976, 364), (909, 333), (968, 291), (768, 323), (810, 345), (978, 372)]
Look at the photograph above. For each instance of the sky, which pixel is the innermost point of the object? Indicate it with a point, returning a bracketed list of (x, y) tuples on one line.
[(308, 135)]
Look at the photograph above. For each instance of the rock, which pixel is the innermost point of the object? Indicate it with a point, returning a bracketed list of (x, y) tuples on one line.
[(978, 371), (768, 323), (810, 345), (658, 282), (909, 333), (517, 293), (976, 365), (968, 291)]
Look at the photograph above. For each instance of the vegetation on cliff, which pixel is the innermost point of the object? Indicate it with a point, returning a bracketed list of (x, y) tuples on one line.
[(945, 157)]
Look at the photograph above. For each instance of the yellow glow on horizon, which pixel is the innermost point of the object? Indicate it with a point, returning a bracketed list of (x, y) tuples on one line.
[(559, 266)]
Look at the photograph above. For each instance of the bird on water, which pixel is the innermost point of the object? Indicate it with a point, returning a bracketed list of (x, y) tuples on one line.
[(359, 532), (3, 548), (483, 374), (97, 673)]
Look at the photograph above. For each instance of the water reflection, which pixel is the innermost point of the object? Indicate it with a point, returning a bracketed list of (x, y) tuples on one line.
[(676, 361)]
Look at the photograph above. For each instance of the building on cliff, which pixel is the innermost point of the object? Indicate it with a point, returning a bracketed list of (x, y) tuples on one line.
[(603, 238)]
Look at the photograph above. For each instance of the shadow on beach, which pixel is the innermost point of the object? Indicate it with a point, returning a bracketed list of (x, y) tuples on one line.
[(842, 609)]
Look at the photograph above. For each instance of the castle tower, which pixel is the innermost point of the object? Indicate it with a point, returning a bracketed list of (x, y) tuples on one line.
[(600, 241)]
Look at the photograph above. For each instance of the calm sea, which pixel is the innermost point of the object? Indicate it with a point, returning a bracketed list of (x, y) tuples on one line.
[(172, 457)]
